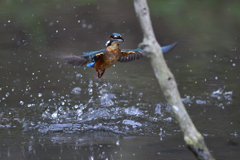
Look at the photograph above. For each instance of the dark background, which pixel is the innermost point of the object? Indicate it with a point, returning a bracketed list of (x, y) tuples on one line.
[(52, 110)]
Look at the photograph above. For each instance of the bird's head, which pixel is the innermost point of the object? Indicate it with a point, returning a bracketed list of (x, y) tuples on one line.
[(114, 41), (115, 37)]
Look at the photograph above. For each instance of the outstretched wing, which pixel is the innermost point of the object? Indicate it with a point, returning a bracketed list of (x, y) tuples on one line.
[(76, 60), (128, 55), (93, 53), (83, 59), (168, 47)]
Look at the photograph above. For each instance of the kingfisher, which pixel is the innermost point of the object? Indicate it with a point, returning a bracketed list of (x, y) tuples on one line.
[(106, 57)]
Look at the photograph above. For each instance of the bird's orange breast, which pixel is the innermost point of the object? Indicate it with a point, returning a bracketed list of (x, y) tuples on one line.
[(106, 60)]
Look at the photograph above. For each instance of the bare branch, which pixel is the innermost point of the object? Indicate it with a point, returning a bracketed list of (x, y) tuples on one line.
[(192, 137)]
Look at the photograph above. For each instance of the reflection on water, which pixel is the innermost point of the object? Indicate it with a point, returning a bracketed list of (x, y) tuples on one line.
[(50, 110)]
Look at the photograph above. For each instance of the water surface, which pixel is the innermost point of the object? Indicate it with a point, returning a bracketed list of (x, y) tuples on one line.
[(51, 110)]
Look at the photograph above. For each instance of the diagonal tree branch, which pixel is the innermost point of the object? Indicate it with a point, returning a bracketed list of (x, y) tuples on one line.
[(192, 137)]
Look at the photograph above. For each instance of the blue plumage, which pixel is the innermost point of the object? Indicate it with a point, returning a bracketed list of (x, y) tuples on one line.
[(102, 51), (90, 64), (168, 47), (95, 58), (93, 53)]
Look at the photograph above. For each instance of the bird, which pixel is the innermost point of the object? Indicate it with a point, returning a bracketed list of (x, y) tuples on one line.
[(106, 57)]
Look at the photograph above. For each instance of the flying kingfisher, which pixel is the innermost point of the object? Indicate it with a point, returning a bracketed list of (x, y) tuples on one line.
[(106, 57)]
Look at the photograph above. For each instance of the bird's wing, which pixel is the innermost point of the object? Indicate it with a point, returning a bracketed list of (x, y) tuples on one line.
[(128, 55), (76, 60), (83, 59), (93, 53), (168, 47)]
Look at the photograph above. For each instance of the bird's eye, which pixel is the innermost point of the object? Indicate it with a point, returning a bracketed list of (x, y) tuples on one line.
[(115, 36)]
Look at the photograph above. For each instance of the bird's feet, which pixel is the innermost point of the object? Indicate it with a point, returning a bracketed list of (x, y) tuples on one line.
[(100, 73)]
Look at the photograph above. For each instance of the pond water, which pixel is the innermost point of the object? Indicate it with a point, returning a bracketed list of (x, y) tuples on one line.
[(52, 110)]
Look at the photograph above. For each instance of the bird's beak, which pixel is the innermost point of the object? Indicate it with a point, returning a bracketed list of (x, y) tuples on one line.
[(120, 39)]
